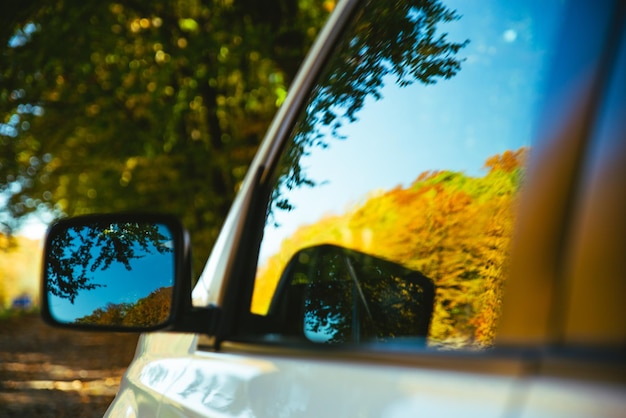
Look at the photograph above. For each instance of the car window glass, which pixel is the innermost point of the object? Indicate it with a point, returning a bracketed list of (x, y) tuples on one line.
[(410, 150)]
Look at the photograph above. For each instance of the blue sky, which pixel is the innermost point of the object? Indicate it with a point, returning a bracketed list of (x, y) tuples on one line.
[(489, 107)]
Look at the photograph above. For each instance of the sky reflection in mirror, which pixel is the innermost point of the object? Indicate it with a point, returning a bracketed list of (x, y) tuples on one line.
[(148, 269)]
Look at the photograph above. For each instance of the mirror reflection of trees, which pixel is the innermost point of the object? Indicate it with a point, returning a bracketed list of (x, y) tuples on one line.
[(75, 253), (399, 39), (350, 296), (151, 310)]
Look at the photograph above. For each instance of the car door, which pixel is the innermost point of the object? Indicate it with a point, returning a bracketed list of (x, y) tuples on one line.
[(419, 144)]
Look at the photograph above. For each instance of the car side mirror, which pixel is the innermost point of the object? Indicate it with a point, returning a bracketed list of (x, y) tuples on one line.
[(125, 272), (330, 294)]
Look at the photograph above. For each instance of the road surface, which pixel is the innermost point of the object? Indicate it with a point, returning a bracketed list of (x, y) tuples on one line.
[(49, 372)]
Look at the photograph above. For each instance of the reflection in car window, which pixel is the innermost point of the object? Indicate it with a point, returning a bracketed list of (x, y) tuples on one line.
[(412, 149)]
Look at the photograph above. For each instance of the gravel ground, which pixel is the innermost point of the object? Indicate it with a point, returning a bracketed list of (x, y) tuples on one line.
[(49, 372)]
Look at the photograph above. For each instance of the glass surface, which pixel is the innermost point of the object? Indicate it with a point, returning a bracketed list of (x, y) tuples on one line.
[(110, 274), (412, 148), (336, 295)]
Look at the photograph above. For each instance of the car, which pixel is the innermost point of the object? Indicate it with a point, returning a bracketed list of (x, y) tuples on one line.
[(433, 226)]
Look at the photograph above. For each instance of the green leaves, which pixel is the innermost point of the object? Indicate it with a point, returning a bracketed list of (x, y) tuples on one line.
[(155, 106), (188, 25)]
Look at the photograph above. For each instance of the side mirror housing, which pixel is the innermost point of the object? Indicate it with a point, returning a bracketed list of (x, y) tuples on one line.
[(120, 272), (329, 294)]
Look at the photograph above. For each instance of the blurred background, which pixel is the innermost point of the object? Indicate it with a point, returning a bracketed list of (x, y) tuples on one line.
[(111, 106)]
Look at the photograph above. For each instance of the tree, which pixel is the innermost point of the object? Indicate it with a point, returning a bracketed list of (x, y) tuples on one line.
[(108, 106), (151, 310)]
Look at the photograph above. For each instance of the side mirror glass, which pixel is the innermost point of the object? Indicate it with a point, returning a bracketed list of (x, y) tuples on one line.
[(112, 271), (330, 294)]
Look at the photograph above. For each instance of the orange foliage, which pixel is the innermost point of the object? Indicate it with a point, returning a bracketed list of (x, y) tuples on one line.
[(508, 161), (453, 228)]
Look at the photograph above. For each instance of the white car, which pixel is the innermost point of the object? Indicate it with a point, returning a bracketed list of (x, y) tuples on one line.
[(435, 225)]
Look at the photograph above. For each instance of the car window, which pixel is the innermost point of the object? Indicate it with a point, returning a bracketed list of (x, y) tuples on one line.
[(406, 163)]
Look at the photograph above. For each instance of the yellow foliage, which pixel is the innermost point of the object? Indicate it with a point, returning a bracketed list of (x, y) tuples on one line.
[(455, 229), (20, 270)]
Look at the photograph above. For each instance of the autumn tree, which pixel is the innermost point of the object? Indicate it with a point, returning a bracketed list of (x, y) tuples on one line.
[(453, 228), (148, 311), (151, 310), (156, 106)]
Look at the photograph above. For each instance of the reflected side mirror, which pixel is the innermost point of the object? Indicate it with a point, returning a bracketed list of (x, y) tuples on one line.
[(123, 272), (330, 294)]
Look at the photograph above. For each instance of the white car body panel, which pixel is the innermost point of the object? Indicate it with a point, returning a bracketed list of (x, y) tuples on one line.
[(163, 381), (561, 398), (222, 385), (175, 383)]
